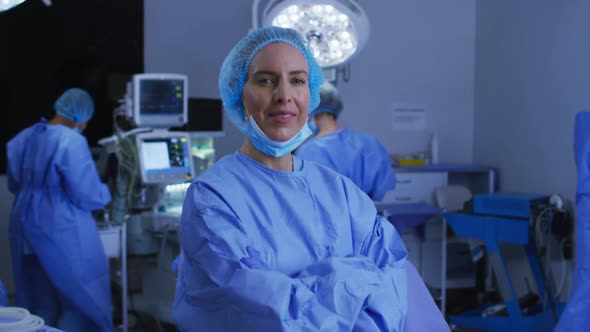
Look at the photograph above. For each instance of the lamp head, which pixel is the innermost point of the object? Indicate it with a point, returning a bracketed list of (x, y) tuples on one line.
[(336, 30)]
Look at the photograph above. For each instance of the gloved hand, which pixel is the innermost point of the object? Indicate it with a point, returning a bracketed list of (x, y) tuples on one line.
[(253, 261)]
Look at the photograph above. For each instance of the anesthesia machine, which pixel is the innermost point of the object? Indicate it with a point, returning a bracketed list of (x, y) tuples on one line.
[(162, 140)]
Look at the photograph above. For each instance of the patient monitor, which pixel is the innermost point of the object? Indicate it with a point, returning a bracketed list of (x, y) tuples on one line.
[(160, 100), (164, 157)]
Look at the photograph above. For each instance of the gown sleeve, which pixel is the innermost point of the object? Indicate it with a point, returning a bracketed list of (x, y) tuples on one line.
[(382, 176), (81, 180), (384, 248)]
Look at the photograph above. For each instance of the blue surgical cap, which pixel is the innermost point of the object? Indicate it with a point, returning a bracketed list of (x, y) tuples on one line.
[(75, 104), (330, 101), (234, 71)]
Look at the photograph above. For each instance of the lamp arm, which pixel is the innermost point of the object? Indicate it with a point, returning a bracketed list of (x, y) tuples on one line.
[(255, 10), (346, 72)]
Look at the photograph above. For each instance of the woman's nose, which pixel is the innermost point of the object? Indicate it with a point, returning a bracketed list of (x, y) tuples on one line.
[(283, 92)]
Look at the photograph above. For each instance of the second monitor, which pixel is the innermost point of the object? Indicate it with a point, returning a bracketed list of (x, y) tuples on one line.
[(160, 100), (165, 157)]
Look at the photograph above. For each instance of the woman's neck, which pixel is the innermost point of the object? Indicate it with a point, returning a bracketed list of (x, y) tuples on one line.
[(284, 163)]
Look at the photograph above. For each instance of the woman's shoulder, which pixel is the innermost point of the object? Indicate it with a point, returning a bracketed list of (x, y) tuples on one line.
[(317, 172), (310, 146), (325, 179), (311, 167), (222, 172), (320, 145)]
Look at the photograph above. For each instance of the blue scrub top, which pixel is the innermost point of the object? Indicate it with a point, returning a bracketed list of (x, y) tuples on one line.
[(356, 155)]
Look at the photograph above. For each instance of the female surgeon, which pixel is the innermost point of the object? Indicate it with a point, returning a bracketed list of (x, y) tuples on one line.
[(274, 243), (60, 269)]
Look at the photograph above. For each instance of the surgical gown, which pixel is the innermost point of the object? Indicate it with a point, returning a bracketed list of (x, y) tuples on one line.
[(576, 315), (56, 250), (356, 155), (267, 250)]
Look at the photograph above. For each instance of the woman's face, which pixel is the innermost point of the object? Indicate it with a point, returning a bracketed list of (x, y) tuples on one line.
[(276, 93)]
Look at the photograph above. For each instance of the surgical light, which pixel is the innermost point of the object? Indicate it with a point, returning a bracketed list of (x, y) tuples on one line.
[(8, 4), (335, 29)]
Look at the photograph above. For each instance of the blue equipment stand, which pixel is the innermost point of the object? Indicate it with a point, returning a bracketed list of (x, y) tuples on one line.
[(494, 230)]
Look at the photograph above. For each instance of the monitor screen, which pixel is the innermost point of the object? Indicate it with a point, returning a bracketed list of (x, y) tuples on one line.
[(165, 157), (160, 100), (205, 115)]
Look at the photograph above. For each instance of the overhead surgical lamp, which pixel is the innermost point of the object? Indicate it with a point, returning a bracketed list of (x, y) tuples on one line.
[(337, 30), (9, 4)]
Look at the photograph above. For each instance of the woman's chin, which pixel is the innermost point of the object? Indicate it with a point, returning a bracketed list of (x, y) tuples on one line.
[(282, 136)]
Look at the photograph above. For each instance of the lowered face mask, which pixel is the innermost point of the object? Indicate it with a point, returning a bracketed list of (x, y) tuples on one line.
[(271, 147)]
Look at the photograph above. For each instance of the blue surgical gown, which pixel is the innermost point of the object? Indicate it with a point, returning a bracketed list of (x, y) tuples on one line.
[(56, 186), (356, 155), (325, 260), (576, 315)]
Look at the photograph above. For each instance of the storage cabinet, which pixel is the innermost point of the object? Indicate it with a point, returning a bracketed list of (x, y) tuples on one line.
[(415, 187)]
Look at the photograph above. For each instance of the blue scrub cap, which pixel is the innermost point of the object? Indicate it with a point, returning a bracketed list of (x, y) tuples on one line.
[(330, 101), (234, 70), (75, 104)]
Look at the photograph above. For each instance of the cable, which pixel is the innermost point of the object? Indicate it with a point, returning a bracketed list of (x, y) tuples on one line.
[(563, 269), (128, 167), (547, 269), (537, 224), (542, 227)]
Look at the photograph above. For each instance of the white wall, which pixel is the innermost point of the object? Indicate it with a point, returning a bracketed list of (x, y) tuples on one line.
[(419, 52), (532, 76)]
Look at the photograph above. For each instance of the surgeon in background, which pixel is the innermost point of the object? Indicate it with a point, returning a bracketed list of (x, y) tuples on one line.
[(576, 315), (60, 268), (356, 155), (270, 242)]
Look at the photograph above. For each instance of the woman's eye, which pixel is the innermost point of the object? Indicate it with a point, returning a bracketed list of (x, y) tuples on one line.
[(298, 81), (265, 81)]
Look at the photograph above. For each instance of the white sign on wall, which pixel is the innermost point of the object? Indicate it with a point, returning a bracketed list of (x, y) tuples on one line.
[(407, 117)]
